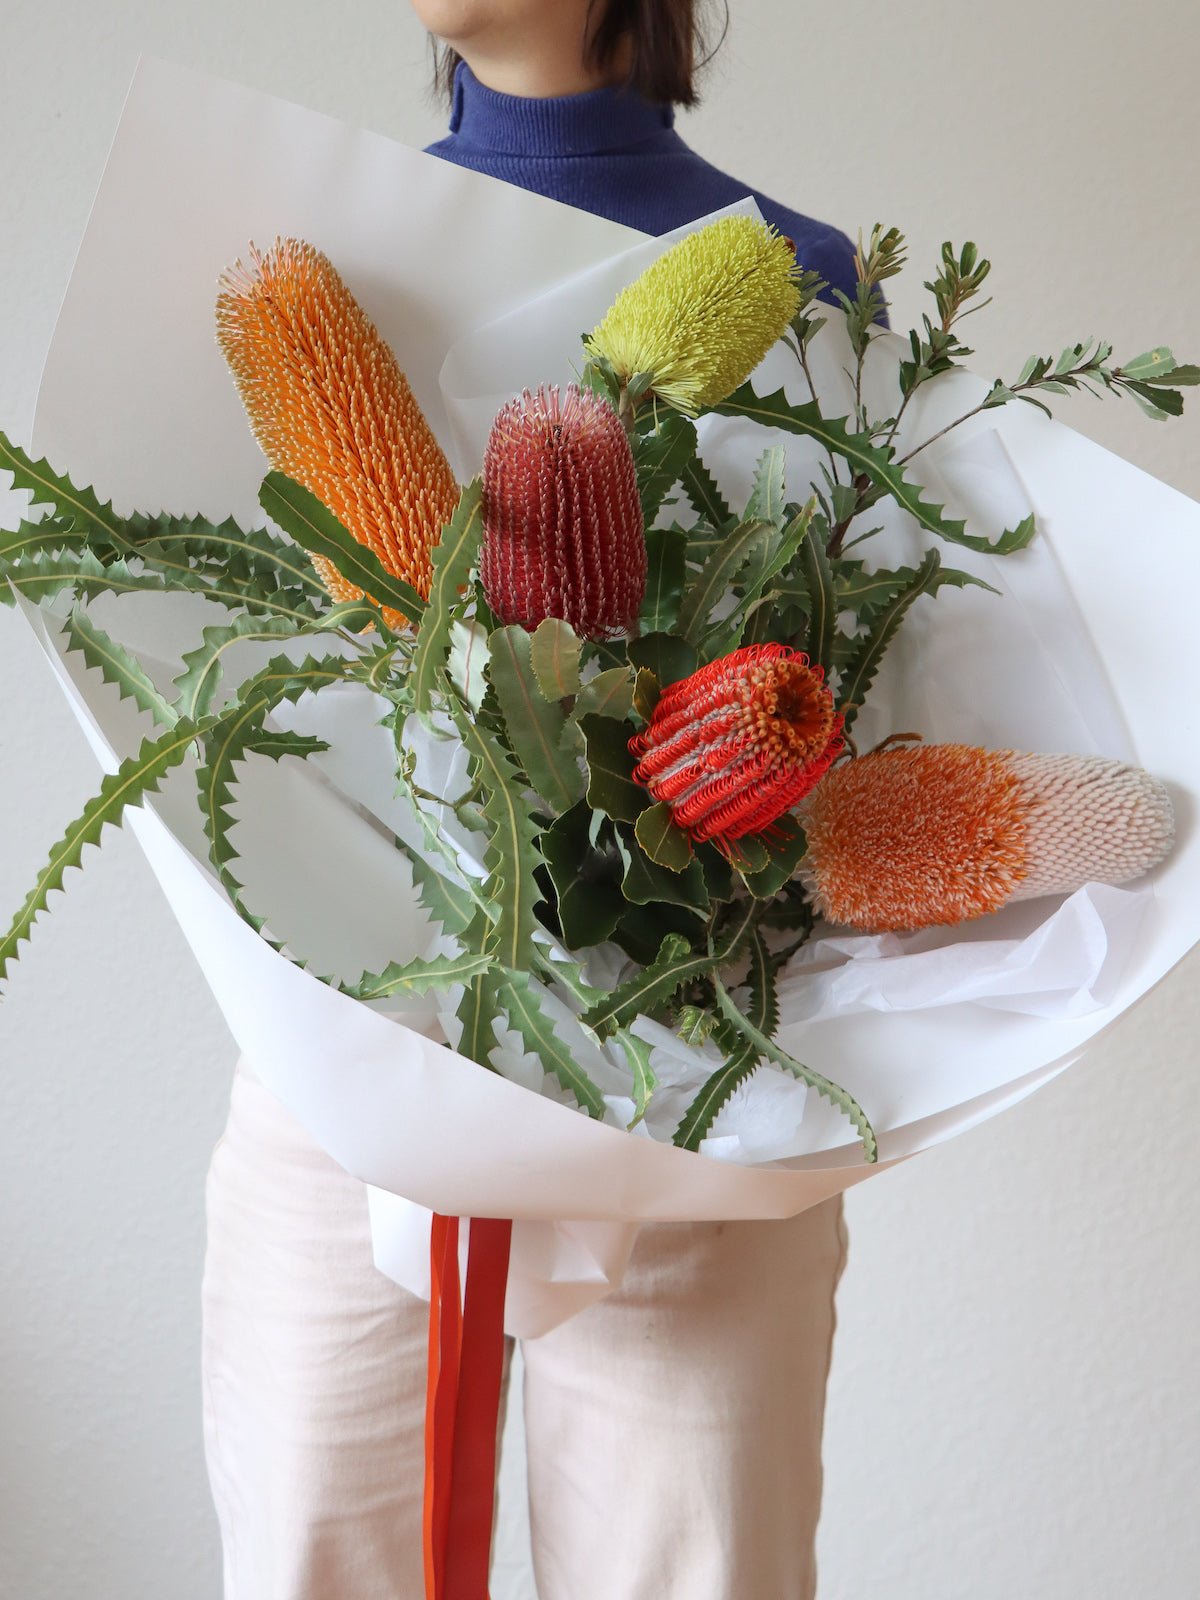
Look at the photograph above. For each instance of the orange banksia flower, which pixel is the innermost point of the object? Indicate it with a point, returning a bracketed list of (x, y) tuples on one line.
[(563, 528), (737, 744), (330, 406), (931, 834)]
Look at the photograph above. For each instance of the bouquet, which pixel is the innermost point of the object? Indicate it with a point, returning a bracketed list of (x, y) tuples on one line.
[(636, 788)]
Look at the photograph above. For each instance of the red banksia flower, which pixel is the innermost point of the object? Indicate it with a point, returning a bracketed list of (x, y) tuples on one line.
[(737, 744), (933, 834), (330, 406), (563, 534)]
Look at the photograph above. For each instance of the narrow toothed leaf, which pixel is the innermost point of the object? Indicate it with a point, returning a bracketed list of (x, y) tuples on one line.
[(303, 517), (546, 744), (453, 559), (718, 573), (666, 574), (661, 459), (705, 497), (133, 780), (859, 672), (78, 508), (420, 976), (118, 666), (651, 988), (637, 1053), (520, 1000), (767, 501)]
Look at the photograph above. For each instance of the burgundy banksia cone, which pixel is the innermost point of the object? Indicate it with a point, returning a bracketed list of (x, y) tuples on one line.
[(563, 534), (936, 834), (737, 744), (329, 405)]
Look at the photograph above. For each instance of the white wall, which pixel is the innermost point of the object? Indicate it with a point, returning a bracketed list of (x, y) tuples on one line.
[(1013, 1410)]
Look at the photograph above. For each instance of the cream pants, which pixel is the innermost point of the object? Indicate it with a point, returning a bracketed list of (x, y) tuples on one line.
[(673, 1429)]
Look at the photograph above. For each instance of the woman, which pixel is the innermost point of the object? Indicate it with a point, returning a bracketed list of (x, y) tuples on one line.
[(673, 1429)]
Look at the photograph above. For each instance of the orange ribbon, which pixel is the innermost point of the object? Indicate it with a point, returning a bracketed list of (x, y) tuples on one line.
[(462, 1405)]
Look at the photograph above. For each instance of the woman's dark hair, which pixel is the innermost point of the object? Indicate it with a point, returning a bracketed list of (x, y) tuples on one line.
[(668, 47)]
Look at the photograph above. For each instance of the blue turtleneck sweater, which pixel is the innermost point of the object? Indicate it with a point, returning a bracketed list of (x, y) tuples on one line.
[(617, 156)]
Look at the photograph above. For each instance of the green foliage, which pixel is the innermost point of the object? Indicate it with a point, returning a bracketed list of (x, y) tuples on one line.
[(453, 559), (556, 651), (547, 745), (526, 1014), (117, 666)]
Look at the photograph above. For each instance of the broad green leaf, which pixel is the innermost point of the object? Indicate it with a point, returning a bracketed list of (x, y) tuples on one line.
[(118, 666), (879, 465), (586, 876), (648, 883), (786, 845), (608, 694), (512, 857), (694, 1025), (666, 845), (859, 672), (637, 1053), (466, 664), (520, 999), (544, 742), (301, 515), (611, 787), (718, 573), (652, 988), (647, 691), (661, 457), (453, 559), (666, 656), (418, 977), (133, 780), (556, 650), (666, 573), (764, 1046)]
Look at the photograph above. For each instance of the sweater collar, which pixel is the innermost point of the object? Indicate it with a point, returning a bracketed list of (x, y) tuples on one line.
[(563, 125)]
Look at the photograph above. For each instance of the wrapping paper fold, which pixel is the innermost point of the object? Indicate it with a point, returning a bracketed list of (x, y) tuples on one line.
[(483, 289)]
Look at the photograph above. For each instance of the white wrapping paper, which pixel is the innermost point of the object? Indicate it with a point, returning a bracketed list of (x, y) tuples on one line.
[(489, 287)]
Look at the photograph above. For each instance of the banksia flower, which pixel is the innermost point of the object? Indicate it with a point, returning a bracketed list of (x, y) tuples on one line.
[(917, 836), (703, 315), (737, 744), (563, 534), (330, 407)]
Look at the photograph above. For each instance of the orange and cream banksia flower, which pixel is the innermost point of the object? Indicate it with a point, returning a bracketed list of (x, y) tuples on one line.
[(916, 836), (331, 408)]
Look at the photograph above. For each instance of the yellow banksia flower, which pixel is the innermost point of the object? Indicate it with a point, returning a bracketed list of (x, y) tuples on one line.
[(916, 836), (703, 315), (329, 405)]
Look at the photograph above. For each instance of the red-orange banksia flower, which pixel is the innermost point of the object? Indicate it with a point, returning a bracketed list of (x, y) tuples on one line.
[(330, 406), (563, 531), (929, 834), (737, 744)]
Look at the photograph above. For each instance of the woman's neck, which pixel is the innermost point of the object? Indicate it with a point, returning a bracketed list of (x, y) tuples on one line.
[(548, 64)]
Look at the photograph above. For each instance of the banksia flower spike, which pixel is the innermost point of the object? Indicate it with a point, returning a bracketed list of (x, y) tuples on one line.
[(737, 744), (703, 315), (925, 835), (563, 531), (330, 407)]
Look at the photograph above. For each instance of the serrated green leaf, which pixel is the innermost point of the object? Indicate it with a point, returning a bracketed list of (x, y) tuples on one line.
[(48, 572), (705, 497), (764, 1046), (741, 1059), (133, 780), (637, 1053), (717, 575), (694, 1025), (420, 976), (117, 666), (512, 857), (556, 650), (859, 672), (666, 845), (311, 523), (545, 743), (768, 497), (820, 603), (651, 988), (30, 538), (877, 464), (666, 574), (525, 1014), (78, 508), (453, 559), (608, 694), (660, 459), (245, 555), (611, 787)]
